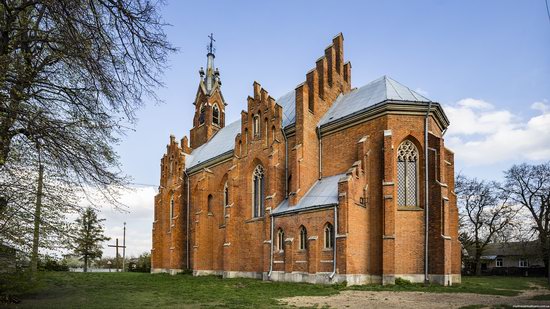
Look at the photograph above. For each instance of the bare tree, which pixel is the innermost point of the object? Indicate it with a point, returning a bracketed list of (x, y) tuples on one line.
[(529, 186), (72, 73), (485, 213)]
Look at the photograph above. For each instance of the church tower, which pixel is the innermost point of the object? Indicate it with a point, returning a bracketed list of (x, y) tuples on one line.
[(209, 103)]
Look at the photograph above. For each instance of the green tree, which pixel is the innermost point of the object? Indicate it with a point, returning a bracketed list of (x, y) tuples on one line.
[(89, 237)]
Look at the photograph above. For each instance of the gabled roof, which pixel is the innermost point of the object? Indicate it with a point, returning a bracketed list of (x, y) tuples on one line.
[(528, 248), (323, 193), (222, 142), (356, 101), (377, 91)]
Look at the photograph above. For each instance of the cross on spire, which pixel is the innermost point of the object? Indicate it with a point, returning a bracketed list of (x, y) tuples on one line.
[(210, 47)]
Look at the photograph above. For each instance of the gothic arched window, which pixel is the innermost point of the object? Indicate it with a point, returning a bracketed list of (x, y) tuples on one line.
[(258, 189), (329, 236), (171, 210), (216, 114), (225, 199), (266, 132), (407, 174), (201, 114), (280, 240), (303, 238), (256, 126)]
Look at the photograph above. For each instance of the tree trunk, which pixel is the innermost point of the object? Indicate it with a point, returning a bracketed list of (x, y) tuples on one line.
[(36, 236), (477, 260), (85, 263), (478, 267)]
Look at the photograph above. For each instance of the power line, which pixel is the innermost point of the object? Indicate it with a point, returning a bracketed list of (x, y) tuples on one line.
[(547, 10)]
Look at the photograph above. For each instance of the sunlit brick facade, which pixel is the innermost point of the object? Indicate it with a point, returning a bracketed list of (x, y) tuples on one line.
[(325, 184)]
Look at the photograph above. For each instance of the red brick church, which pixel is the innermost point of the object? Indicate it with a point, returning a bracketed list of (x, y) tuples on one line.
[(325, 184)]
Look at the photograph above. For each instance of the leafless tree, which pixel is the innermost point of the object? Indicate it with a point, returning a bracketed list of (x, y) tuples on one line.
[(485, 213), (72, 74), (529, 186)]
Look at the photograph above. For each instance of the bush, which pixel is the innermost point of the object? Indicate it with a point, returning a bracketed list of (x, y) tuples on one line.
[(51, 264), (403, 282)]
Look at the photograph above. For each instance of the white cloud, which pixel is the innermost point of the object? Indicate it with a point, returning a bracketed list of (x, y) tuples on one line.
[(482, 134), (475, 104), (541, 106), (138, 217)]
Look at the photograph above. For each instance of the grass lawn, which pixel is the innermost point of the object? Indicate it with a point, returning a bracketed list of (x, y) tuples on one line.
[(139, 290)]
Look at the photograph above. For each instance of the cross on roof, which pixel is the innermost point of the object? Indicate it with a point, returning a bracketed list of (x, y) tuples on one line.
[(211, 48)]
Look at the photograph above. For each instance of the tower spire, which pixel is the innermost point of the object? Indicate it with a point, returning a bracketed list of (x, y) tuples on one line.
[(209, 79)]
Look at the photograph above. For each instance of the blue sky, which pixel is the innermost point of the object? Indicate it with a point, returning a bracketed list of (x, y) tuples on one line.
[(487, 62)]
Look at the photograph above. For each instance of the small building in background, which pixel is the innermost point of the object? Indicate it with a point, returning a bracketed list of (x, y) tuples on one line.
[(508, 259)]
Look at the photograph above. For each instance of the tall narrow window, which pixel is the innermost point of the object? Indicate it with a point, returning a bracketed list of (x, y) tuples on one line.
[(216, 115), (266, 132), (225, 199), (201, 114), (303, 238), (407, 174), (272, 134), (258, 188), (245, 141), (171, 208), (256, 126), (280, 240), (329, 236), (210, 201)]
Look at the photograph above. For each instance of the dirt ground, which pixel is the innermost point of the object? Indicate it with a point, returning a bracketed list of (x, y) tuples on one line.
[(386, 299)]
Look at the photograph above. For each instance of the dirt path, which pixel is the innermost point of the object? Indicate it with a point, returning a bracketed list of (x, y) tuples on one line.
[(387, 299)]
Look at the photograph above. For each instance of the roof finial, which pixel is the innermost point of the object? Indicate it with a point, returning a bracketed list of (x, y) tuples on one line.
[(210, 47)]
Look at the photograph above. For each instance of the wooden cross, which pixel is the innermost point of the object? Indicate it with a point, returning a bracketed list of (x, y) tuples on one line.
[(116, 246)]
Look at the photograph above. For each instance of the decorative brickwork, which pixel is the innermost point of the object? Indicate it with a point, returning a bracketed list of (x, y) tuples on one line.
[(348, 174)]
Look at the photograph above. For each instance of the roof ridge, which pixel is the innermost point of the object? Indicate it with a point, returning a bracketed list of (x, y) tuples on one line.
[(390, 82)]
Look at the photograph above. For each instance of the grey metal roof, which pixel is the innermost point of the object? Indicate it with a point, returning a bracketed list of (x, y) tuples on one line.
[(508, 249), (221, 143), (377, 91), (323, 192), (288, 103)]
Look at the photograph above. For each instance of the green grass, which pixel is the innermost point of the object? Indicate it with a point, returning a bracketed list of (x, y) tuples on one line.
[(138, 290), (495, 285)]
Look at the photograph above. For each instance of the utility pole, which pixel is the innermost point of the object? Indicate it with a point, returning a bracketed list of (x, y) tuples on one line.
[(117, 256), (124, 248), (37, 214)]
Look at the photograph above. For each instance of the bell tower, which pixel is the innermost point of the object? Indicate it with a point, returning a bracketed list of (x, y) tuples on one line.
[(209, 102)]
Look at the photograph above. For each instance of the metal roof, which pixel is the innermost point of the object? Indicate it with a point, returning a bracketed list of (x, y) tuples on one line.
[(377, 91), (324, 192), (508, 249), (221, 143), (288, 103)]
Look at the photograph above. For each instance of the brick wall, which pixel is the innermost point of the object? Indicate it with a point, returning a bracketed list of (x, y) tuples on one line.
[(374, 235)]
